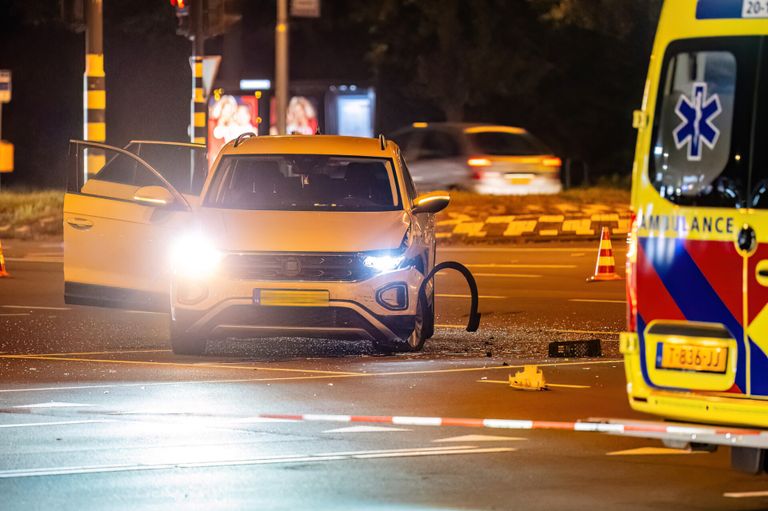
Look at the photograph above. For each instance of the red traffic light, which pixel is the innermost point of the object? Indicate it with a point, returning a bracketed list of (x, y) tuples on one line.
[(179, 4)]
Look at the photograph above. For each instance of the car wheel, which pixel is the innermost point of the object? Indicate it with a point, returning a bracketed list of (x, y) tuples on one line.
[(184, 343), (422, 330)]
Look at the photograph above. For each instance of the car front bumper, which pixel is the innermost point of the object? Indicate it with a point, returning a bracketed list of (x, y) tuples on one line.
[(352, 311)]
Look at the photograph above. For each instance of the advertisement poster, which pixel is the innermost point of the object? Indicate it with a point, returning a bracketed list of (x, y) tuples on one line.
[(229, 117), (301, 118)]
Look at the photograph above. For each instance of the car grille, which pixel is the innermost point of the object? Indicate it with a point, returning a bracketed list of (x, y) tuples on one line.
[(297, 267)]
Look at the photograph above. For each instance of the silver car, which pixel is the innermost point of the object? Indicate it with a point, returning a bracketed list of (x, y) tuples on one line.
[(488, 159)]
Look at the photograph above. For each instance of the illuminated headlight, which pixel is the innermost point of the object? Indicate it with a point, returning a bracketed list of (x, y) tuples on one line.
[(383, 263), (195, 256)]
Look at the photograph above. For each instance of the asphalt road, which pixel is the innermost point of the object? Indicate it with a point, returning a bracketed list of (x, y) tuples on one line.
[(96, 413)]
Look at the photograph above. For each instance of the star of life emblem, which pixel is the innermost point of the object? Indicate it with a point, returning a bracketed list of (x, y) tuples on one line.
[(697, 114)]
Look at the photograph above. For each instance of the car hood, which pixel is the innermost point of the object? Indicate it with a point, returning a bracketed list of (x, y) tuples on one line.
[(303, 231)]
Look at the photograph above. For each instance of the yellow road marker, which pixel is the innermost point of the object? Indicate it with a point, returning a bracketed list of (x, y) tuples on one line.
[(651, 451), (451, 326), (746, 494)]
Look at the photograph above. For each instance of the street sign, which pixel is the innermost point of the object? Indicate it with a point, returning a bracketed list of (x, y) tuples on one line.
[(210, 69), (305, 8), (5, 86)]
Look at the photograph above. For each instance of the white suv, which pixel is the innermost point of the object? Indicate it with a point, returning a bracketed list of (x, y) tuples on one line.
[(295, 236)]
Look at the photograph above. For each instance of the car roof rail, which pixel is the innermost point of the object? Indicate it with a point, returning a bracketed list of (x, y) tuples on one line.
[(240, 138), (383, 142)]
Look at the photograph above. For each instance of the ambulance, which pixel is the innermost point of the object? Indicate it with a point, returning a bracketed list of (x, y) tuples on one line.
[(696, 348)]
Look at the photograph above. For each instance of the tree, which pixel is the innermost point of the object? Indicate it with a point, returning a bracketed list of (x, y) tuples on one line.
[(454, 53)]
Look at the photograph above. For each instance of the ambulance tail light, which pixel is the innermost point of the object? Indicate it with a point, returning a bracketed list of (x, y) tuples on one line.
[(631, 273)]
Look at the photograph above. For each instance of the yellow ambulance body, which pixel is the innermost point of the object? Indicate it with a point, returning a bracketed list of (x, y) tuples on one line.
[(696, 348)]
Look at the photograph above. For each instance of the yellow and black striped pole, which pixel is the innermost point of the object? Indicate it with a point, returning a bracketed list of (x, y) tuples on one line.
[(198, 130), (94, 90)]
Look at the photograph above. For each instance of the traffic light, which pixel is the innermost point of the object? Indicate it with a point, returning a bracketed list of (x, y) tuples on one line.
[(181, 9), (218, 16), (181, 6)]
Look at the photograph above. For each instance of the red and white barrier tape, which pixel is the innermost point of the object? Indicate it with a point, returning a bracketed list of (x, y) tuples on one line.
[(597, 427)]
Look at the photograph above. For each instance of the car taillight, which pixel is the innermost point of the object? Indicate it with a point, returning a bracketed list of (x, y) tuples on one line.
[(632, 275), (552, 162), (479, 162)]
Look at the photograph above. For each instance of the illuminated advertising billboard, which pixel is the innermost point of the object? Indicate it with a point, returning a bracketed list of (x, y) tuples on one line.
[(230, 116)]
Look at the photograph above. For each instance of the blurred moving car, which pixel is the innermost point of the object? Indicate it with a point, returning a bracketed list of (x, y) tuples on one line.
[(498, 160), (305, 236)]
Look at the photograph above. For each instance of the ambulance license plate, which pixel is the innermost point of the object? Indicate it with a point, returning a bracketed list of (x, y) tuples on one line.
[(290, 298), (691, 357)]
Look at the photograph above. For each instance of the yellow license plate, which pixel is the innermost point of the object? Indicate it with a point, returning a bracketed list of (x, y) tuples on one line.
[(518, 180), (290, 298), (691, 357)]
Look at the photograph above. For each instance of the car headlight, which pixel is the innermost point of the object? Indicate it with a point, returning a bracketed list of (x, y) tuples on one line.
[(195, 256), (383, 263)]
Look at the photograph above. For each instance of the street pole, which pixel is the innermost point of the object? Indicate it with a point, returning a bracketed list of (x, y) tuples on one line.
[(197, 131), (94, 87), (281, 65)]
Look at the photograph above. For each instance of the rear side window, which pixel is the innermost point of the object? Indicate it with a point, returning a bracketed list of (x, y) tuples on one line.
[(702, 125), (437, 145), (499, 143)]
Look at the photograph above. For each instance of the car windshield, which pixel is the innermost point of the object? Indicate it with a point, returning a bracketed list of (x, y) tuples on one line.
[(304, 183), (502, 143)]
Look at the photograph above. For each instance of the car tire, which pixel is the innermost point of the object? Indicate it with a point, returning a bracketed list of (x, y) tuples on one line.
[(422, 330), (184, 343)]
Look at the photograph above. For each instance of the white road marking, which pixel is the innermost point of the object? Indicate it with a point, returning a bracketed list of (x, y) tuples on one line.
[(365, 429), (290, 458), (591, 300), (514, 249), (56, 423), (645, 451), (35, 307), (508, 275), (746, 494), (593, 332), (485, 297), (494, 265), (53, 404), (480, 438), (45, 260), (256, 420)]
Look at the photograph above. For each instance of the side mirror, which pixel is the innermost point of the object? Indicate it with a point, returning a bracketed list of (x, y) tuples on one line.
[(433, 202), (154, 196)]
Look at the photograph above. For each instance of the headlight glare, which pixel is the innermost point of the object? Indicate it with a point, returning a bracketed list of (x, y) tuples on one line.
[(383, 263), (194, 256)]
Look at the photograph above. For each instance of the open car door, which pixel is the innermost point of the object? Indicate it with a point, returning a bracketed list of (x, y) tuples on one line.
[(118, 226), (183, 164)]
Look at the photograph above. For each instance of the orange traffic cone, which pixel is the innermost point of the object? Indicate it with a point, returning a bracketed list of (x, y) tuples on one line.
[(3, 272), (605, 269)]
